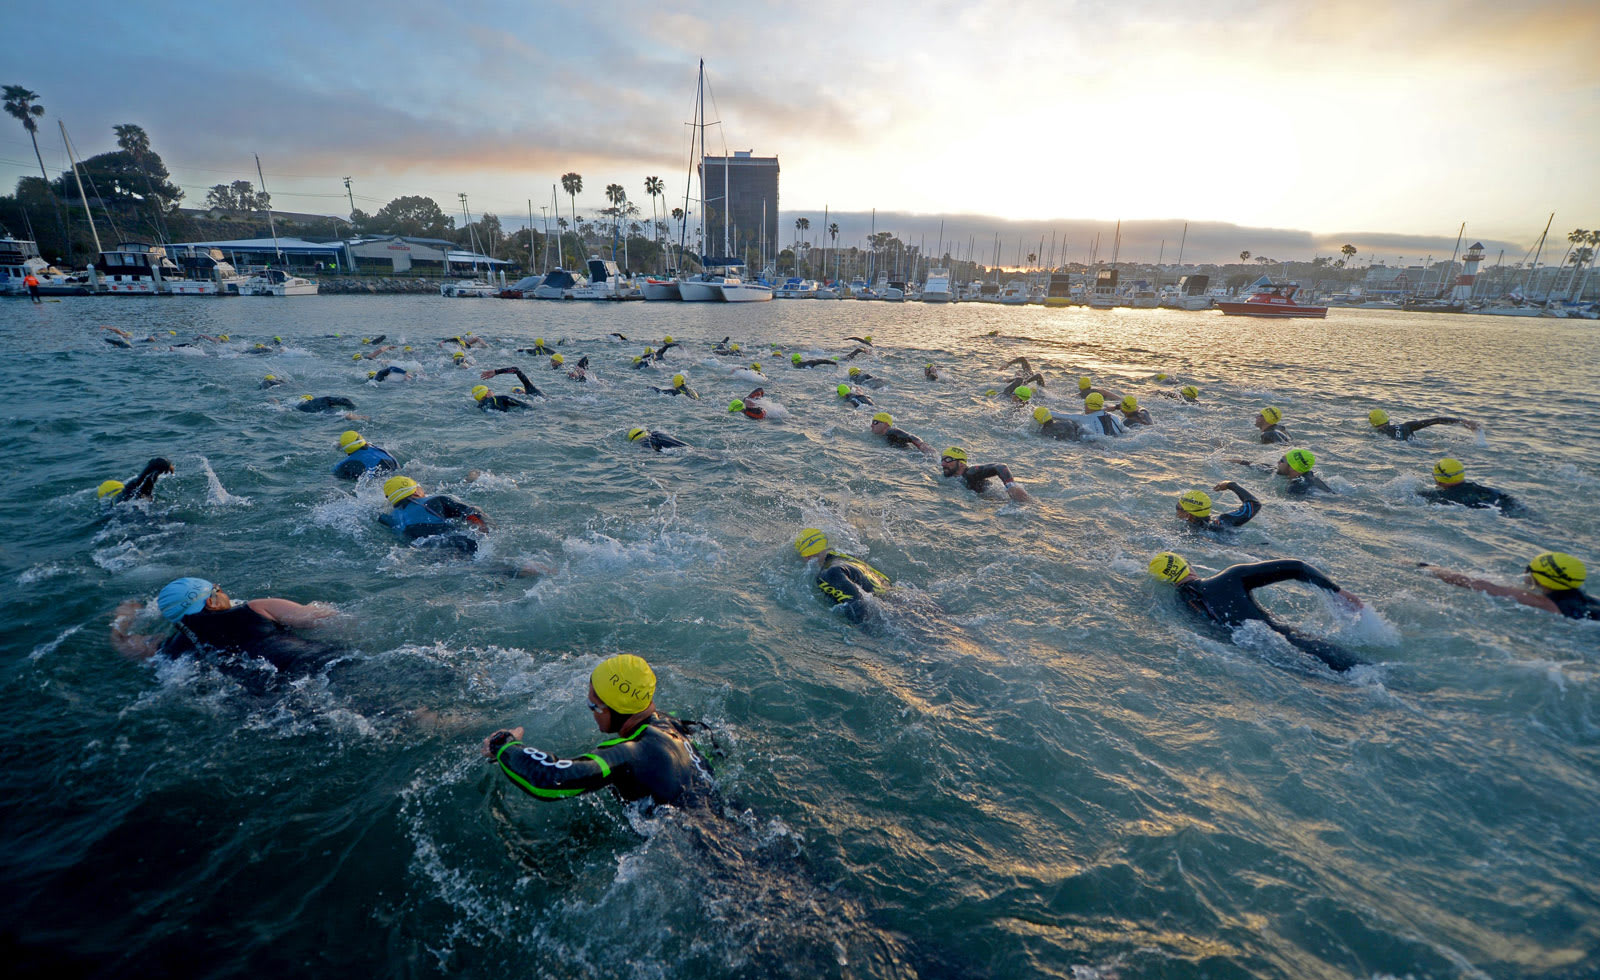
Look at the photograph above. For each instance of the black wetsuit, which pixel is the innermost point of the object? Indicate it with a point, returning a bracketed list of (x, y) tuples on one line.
[(1469, 494), (1141, 417), (144, 485), (1225, 599), (385, 372), (1404, 430), (118, 342), (656, 761), (527, 386), (1015, 383), (1275, 433), (1575, 603), (978, 477), (846, 579), (1305, 483), (242, 630), (869, 380), (503, 403), (675, 390), (661, 353), (270, 382), (660, 440), (814, 362), (535, 349), (1061, 429), (1249, 506), (900, 438), (435, 522), (326, 403), (857, 399)]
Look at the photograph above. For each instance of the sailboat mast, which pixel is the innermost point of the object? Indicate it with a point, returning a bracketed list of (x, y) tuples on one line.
[(73, 159), (700, 124), (274, 228), (1538, 252), (1182, 241)]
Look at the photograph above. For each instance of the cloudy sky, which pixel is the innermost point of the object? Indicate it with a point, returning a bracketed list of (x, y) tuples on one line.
[(1293, 125)]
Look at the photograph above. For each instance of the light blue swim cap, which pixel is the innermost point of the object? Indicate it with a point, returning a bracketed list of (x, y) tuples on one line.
[(183, 597)]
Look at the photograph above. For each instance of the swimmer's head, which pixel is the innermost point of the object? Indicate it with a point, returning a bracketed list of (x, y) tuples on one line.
[(1378, 417), (272, 377), (1042, 415), (667, 339), (1095, 402), (1557, 571), (480, 392), (843, 390), (371, 375), (1161, 375), (458, 356), (1196, 504), (755, 366), (1300, 460), (1023, 393), (678, 381), (108, 488), (538, 341), (1169, 567), (811, 543), (737, 405), (557, 360), (1271, 415), (648, 351), (624, 683), (734, 348), (305, 398), (1190, 392), (1130, 404), (1448, 472), (853, 371), (184, 597), (1083, 382), (277, 340), (638, 360), (950, 461), (398, 488), (351, 441), (355, 357), (634, 435), (884, 419), (794, 358)]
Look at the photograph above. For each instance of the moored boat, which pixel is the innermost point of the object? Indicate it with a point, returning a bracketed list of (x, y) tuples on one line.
[(1271, 299)]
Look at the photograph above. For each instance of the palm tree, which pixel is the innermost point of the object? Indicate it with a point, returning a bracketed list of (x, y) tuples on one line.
[(572, 183), (22, 105), (833, 238), (801, 225), (1348, 251), (654, 187), (1244, 256), (616, 195)]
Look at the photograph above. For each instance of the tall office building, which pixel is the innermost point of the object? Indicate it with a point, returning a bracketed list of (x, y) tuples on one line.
[(752, 193)]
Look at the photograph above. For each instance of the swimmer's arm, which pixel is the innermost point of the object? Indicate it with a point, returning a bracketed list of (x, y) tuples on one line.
[(544, 776), (1250, 506), (290, 613), (1263, 467), (1411, 427), (1318, 482), (1003, 471), (119, 332), (1525, 596), (137, 647), (1026, 367), (1286, 570), (387, 519)]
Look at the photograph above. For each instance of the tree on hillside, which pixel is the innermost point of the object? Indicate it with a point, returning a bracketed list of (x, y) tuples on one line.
[(131, 190), (133, 140), (23, 105), (415, 216), (240, 196), (1244, 256), (1348, 251)]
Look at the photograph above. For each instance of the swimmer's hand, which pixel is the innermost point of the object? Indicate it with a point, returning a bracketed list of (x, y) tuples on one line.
[(486, 375), (494, 743), (1352, 599)]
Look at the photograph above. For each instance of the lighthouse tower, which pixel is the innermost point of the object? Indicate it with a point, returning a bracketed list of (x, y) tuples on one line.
[(1469, 273)]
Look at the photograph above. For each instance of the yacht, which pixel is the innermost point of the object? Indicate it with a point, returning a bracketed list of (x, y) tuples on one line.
[(1191, 294), (795, 287), (1035, 295), (134, 269), (1015, 293), (893, 292), (204, 273), (276, 282), (661, 290), (937, 288), (737, 290), (468, 289), (19, 258), (1059, 292), (558, 283), (827, 291), (1143, 297), (1105, 295), (605, 282)]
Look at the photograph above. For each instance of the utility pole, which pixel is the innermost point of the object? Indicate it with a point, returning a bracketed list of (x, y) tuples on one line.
[(352, 196)]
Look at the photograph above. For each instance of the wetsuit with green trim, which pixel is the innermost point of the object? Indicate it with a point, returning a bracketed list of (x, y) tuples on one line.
[(846, 579), (1249, 507), (325, 403), (1469, 494), (656, 760), (1404, 430), (1225, 599)]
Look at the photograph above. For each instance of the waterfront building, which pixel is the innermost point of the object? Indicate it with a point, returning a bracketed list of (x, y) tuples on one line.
[(752, 195)]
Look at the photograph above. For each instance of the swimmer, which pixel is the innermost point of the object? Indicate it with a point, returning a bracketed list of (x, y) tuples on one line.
[(660, 354), (680, 386), (1188, 393), (141, 487), (390, 371), (361, 458), (1225, 598), (271, 381), (1094, 407), (849, 394), (954, 463), (1378, 419), (120, 340), (800, 362), (208, 621), (859, 377), (646, 359), (755, 368), (373, 354), (746, 405), (468, 341), (1051, 427), (1132, 414), (843, 578), (1267, 421), (489, 401), (1026, 379), (862, 340), (325, 403), (723, 347), (1557, 580), (538, 348), (930, 372), (1086, 388), (528, 387), (1451, 486), (650, 754), (375, 341), (655, 440), (1194, 507), (855, 354), (618, 336), (1020, 394), (460, 359), (1295, 464), (883, 425), (436, 521)]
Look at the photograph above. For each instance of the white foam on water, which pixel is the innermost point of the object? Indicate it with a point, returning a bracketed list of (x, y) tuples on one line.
[(45, 649), (217, 495)]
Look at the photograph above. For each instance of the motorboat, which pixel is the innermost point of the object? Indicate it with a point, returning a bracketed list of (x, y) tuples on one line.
[(1105, 295), (1015, 293), (1035, 295), (1059, 290), (605, 282), (937, 288), (1272, 299), (204, 272), (701, 288), (893, 292), (1190, 294), (276, 282), (795, 287), (1143, 297), (134, 269), (737, 290), (19, 258), (827, 291), (660, 290), (988, 292), (468, 289), (558, 283), (858, 289)]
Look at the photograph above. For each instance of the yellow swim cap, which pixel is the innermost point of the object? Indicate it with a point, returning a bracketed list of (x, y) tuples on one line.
[(222, 336), (458, 355), (1272, 415), (351, 441), (277, 340), (1378, 417), (1083, 382), (1024, 392), (634, 435), (108, 488), (305, 398), (398, 488), (1300, 460), (811, 542), (1449, 472), (1557, 570), (1161, 375), (372, 374), (884, 417), (755, 366), (557, 359), (737, 405), (734, 348), (1196, 503), (1041, 415), (407, 347), (636, 360), (1169, 567), (1095, 402), (1189, 391), (272, 377), (843, 390), (854, 371), (649, 350), (1130, 403), (538, 341), (480, 392), (624, 683), (355, 357), (868, 338), (667, 339), (795, 358), (956, 453), (677, 381)]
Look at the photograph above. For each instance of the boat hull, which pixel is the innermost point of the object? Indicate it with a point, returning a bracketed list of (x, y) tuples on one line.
[(699, 292), (745, 292), (661, 290), (1274, 310)]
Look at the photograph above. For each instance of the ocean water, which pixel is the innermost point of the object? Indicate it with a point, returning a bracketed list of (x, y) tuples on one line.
[(1033, 763)]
